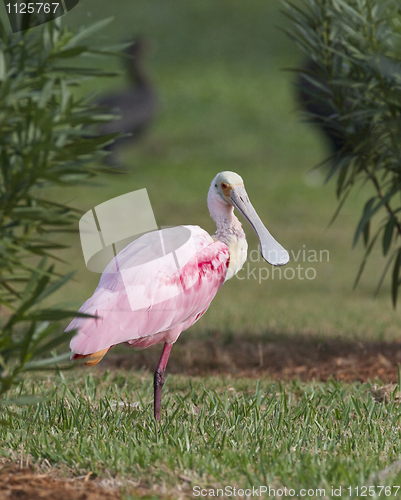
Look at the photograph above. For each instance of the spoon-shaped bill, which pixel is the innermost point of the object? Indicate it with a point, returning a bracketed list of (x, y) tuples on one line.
[(270, 249)]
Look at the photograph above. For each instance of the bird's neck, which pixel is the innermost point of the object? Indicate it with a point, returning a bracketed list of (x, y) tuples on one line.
[(229, 228), (229, 231), (138, 74)]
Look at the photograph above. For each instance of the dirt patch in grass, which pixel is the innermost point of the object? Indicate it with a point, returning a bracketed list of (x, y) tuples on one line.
[(29, 483), (26, 484), (288, 358)]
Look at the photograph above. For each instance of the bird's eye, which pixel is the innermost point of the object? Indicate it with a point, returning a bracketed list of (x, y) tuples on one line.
[(215, 185), (223, 185)]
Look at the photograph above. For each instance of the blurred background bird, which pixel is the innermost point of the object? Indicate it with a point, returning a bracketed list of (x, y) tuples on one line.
[(135, 107)]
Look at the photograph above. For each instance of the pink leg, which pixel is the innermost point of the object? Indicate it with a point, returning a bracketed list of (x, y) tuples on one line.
[(159, 379)]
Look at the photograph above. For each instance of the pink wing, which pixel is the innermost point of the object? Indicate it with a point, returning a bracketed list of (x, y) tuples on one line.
[(144, 301)]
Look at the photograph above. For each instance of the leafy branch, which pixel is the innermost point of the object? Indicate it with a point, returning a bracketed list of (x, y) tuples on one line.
[(48, 137), (354, 80)]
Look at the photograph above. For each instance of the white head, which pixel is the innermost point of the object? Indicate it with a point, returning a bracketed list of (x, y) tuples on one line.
[(227, 191), (218, 198)]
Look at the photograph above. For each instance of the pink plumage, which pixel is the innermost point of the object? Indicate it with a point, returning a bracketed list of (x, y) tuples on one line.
[(150, 303)]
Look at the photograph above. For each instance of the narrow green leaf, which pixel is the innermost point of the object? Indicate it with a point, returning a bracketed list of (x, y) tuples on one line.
[(53, 343), (388, 234), (54, 315), (395, 278), (35, 279), (53, 287), (73, 52), (48, 362), (2, 66), (383, 275), (366, 215), (366, 231), (365, 258), (87, 32)]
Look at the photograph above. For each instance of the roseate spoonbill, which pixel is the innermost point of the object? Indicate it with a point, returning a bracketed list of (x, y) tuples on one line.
[(136, 106), (150, 303)]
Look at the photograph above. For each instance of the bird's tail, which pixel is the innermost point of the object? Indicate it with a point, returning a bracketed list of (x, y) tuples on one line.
[(92, 359)]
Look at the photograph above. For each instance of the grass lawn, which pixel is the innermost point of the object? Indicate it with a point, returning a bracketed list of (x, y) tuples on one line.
[(225, 104), (215, 432)]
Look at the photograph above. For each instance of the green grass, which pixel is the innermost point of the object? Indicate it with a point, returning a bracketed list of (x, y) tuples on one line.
[(214, 431)]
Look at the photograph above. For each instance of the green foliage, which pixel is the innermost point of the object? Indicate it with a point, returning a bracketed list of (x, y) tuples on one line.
[(47, 137), (355, 46)]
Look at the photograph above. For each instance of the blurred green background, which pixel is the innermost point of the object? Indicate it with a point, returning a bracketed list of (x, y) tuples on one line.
[(227, 103)]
